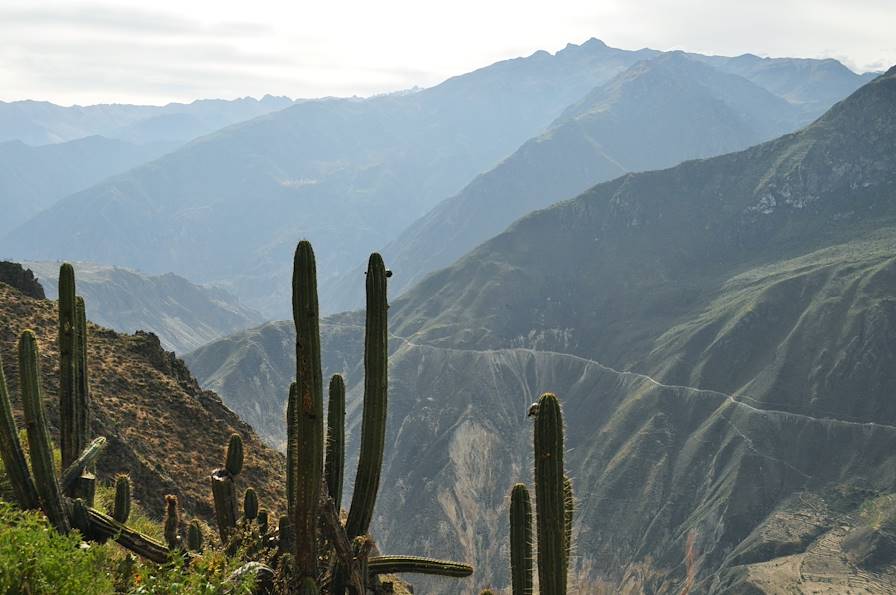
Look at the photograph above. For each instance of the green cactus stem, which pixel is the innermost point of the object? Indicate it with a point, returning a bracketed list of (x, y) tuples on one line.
[(12, 454), (286, 542), (416, 565), (40, 447), (234, 461), (68, 366), (224, 496), (171, 522), (250, 504), (521, 540), (82, 393), (79, 516), (86, 460), (550, 501), (335, 458), (308, 436), (121, 507), (194, 537), (263, 521), (292, 449), (373, 424)]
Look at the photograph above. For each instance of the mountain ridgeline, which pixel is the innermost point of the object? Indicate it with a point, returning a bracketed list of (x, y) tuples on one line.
[(721, 336), (351, 174)]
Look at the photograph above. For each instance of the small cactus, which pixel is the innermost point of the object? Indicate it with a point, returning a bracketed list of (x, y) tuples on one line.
[(121, 508), (194, 537), (172, 522), (250, 505), (234, 461)]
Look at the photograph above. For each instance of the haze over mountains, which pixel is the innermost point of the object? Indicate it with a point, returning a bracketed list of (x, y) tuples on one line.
[(721, 334), (348, 174), (41, 122), (183, 315), (655, 114)]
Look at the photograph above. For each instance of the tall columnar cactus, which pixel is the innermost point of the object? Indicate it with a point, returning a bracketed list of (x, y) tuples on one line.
[(40, 447), (234, 459), (335, 458), (308, 435), (12, 454), (68, 366), (521, 540), (121, 507), (373, 425), (550, 500)]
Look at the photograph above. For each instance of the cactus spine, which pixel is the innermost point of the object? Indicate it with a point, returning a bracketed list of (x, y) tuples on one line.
[(373, 425), (41, 449), (308, 433), (121, 508), (569, 504), (550, 501), (12, 454), (521, 540), (335, 459)]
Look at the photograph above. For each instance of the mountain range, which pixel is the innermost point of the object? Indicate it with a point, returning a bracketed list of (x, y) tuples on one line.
[(183, 315), (346, 173), (721, 336), (655, 114), (42, 122)]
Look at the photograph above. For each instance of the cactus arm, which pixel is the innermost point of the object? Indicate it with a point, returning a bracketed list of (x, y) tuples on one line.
[(40, 447), (347, 572), (87, 459), (373, 424), (12, 454), (549, 496), (309, 411), (417, 565), (521, 540), (334, 463), (102, 527), (68, 366)]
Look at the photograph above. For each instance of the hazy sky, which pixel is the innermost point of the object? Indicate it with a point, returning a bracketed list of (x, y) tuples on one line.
[(79, 51)]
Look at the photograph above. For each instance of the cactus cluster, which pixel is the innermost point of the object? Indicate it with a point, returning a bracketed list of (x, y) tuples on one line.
[(554, 505), (66, 499), (315, 550)]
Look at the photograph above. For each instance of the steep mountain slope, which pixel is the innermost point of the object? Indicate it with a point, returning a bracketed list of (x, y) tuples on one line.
[(183, 315), (346, 173), (655, 114), (33, 178), (41, 122), (721, 334), (149, 407)]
